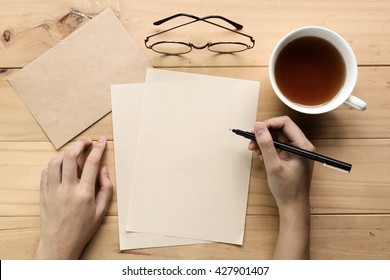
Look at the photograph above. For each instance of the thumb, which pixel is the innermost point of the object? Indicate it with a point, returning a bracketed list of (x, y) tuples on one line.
[(266, 144)]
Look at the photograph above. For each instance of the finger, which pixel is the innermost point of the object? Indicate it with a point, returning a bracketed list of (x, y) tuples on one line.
[(289, 131), (54, 171), (252, 146), (82, 158), (44, 189), (104, 194), (91, 165), (44, 178), (258, 153), (266, 144), (279, 135), (43, 183), (70, 165)]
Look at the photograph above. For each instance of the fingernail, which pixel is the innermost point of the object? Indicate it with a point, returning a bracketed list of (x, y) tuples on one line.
[(261, 157), (102, 139), (259, 128), (105, 171)]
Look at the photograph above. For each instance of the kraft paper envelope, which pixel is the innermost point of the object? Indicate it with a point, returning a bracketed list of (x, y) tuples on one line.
[(67, 89), (191, 173), (126, 103)]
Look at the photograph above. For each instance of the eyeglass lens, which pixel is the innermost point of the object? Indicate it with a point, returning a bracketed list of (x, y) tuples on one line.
[(177, 48), (173, 48)]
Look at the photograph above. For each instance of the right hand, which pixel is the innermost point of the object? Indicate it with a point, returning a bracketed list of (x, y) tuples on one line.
[(289, 179), (289, 175)]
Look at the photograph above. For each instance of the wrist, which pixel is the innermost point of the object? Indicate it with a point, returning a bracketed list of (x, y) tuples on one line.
[(48, 251), (297, 213), (294, 232)]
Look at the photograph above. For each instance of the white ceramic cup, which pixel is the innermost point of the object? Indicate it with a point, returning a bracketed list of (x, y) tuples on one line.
[(345, 93)]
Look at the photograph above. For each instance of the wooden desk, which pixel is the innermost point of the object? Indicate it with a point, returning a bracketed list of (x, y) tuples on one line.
[(350, 213)]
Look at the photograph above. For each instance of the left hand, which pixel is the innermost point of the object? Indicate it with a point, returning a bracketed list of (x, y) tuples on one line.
[(72, 205)]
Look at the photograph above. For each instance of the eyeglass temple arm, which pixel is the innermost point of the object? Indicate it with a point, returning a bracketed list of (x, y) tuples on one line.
[(161, 21), (167, 30), (232, 30), (235, 24)]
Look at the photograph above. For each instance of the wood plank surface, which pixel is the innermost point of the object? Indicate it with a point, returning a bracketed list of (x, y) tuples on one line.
[(364, 190), (29, 28), (373, 86), (332, 237)]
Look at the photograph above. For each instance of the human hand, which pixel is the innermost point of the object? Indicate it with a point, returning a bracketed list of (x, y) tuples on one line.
[(288, 175), (289, 178), (74, 198)]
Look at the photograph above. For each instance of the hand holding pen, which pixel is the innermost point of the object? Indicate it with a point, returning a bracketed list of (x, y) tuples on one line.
[(289, 178), (326, 161)]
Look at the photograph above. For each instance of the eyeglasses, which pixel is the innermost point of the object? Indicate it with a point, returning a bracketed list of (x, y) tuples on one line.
[(179, 48)]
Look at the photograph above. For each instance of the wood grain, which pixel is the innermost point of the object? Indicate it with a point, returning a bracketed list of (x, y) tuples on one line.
[(373, 86), (31, 28), (364, 190), (332, 237), (350, 212)]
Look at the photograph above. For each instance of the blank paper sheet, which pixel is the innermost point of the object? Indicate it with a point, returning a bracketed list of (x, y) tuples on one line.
[(126, 100), (191, 173)]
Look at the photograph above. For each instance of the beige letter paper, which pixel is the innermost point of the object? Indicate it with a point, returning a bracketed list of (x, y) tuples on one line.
[(126, 103), (191, 173)]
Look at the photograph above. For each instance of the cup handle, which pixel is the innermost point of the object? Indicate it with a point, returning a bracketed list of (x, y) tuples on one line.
[(356, 103)]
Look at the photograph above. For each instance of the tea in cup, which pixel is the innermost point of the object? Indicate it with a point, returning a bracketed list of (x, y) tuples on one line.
[(313, 70)]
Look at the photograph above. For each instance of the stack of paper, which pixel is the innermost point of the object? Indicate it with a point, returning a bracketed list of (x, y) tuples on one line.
[(182, 176)]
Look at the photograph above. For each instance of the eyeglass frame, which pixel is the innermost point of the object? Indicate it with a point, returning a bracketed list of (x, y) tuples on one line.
[(191, 45)]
